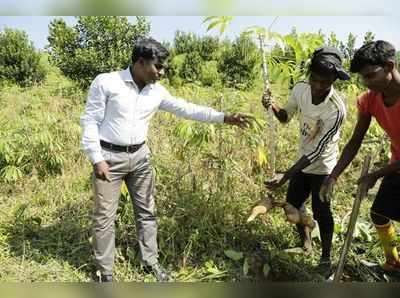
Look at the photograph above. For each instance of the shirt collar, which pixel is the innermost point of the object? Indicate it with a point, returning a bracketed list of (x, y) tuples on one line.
[(127, 77), (328, 96)]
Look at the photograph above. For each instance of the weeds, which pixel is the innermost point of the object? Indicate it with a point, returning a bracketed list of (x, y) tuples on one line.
[(208, 177)]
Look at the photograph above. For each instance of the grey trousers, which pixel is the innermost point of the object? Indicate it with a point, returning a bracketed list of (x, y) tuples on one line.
[(136, 170)]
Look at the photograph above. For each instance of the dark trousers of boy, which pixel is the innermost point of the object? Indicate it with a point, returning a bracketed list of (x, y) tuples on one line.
[(300, 187)]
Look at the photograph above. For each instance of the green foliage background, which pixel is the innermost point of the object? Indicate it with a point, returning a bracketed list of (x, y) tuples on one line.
[(20, 62), (208, 176)]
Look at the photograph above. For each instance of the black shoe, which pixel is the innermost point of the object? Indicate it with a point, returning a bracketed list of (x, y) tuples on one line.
[(159, 272), (324, 267), (106, 278)]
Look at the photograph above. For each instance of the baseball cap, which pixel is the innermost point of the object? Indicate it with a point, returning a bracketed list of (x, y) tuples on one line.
[(330, 58)]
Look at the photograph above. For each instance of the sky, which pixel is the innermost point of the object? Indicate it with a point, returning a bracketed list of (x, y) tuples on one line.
[(163, 28), (200, 7)]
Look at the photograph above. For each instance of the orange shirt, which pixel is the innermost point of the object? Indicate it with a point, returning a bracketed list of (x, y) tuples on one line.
[(371, 103)]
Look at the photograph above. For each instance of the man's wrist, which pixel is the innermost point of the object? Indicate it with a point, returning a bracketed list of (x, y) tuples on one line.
[(98, 162), (275, 108), (227, 116)]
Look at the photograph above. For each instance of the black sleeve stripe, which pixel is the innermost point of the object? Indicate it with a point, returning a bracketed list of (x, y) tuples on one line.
[(324, 141), (329, 135)]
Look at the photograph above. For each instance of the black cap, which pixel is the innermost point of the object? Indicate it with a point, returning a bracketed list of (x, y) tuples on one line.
[(330, 57)]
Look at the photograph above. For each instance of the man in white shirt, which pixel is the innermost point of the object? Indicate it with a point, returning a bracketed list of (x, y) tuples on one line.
[(119, 107), (321, 114)]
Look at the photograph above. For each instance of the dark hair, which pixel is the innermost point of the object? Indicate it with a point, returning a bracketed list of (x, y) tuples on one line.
[(372, 53), (149, 48)]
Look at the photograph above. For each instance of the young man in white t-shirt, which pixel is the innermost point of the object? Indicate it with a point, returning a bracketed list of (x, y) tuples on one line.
[(321, 114)]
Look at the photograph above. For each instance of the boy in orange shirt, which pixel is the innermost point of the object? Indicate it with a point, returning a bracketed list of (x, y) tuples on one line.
[(376, 64)]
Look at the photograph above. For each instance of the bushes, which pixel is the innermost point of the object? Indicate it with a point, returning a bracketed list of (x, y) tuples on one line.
[(191, 68), (210, 75), (240, 63), (191, 57), (20, 62), (39, 132), (96, 44), (210, 61)]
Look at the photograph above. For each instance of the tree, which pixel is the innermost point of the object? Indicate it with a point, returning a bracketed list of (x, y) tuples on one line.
[(194, 59), (185, 42), (348, 49), (19, 60), (94, 45), (369, 36), (240, 63), (191, 68), (332, 40)]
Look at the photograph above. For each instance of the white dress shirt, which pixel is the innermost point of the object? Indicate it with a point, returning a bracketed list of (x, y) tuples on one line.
[(118, 113)]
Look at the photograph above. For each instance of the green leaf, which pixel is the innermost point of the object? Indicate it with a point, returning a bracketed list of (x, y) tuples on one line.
[(37, 220), (234, 255), (266, 269), (338, 229), (209, 19), (223, 27), (261, 156), (245, 266), (364, 231), (315, 233), (212, 25)]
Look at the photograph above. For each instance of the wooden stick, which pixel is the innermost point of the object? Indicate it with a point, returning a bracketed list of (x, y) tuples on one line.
[(361, 193), (270, 116)]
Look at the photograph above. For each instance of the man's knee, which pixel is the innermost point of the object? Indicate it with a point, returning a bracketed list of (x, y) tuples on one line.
[(144, 214), (103, 222)]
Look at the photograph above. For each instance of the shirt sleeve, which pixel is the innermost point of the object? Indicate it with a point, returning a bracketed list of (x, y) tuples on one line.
[(363, 104), (329, 129), (91, 120), (292, 104), (184, 109)]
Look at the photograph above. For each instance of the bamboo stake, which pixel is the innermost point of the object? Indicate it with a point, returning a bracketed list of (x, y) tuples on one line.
[(361, 193), (270, 122)]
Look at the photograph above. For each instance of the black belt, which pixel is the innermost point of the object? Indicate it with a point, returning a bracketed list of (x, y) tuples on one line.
[(128, 149)]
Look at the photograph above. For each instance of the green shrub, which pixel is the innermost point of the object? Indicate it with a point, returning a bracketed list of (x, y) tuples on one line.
[(174, 70), (19, 60), (191, 67), (96, 44), (191, 56), (209, 74), (185, 42), (240, 63)]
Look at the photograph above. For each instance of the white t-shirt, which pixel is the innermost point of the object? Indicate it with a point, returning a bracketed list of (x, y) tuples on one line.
[(319, 127)]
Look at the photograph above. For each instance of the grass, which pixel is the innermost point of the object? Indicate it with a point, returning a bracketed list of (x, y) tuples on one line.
[(204, 192)]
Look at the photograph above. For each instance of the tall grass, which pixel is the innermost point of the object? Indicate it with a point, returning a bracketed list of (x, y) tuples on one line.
[(208, 176)]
